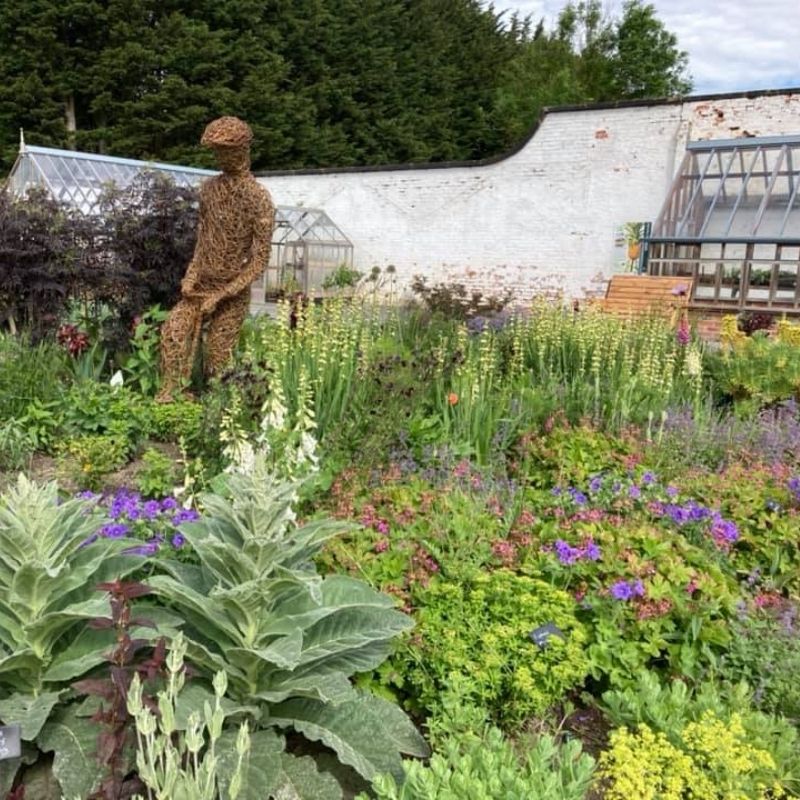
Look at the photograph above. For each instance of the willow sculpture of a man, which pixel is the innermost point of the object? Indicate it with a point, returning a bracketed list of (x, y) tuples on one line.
[(234, 236)]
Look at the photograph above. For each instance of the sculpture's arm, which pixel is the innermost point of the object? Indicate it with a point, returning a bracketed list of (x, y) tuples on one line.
[(259, 252), (189, 282)]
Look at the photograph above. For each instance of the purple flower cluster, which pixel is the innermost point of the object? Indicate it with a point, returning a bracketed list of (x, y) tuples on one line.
[(626, 590), (567, 554), (794, 487), (648, 492), (723, 531), (155, 521), (682, 514), (773, 436)]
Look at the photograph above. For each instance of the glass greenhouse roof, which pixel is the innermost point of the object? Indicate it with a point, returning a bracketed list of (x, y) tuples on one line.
[(742, 190), (79, 179), (311, 225)]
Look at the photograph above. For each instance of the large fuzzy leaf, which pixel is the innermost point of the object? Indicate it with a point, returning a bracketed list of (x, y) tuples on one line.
[(299, 779), (362, 732), (22, 662), (358, 639), (218, 626), (193, 696), (48, 629), (73, 740), (31, 712), (10, 766), (331, 687), (262, 772), (90, 647)]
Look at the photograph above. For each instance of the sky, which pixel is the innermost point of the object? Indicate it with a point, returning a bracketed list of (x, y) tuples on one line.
[(733, 45)]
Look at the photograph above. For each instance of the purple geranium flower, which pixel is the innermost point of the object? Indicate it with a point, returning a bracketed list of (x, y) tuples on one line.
[(151, 509), (627, 590), (578, 497), (185, 515), (592, 552), (114, 530), (565, 553), (178, 541)]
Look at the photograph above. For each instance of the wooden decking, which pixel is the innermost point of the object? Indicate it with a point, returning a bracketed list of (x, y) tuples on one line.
[(631, 295)]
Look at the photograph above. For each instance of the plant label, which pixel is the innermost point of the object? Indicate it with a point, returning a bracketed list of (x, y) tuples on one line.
[(541, 635), (10, 741)]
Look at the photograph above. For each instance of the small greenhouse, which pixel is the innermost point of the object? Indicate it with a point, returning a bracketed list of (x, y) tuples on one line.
[(307, 245), (731, 222), (307, 248)]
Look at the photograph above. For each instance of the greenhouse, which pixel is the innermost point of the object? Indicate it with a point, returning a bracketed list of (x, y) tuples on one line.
[(307, 245), (307, 250), (731, 222)]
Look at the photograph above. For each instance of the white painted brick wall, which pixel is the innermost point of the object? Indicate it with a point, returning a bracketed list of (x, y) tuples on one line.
[(542, 218)]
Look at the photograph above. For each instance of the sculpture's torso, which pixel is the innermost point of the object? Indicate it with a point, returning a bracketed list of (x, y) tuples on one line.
[(229, 208)]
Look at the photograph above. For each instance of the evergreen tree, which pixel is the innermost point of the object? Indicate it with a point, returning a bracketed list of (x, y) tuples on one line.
[(647, 61), (322, 82)]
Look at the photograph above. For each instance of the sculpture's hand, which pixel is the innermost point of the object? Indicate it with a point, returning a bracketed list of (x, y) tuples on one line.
[(209, 305)]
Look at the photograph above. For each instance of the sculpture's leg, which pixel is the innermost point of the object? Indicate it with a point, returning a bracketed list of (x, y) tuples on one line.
[(223, 331), (179, 337)]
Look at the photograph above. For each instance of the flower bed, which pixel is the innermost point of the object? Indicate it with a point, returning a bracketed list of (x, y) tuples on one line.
[(572, 575)]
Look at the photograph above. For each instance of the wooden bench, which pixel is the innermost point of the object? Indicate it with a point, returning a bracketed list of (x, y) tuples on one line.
[(632, 295)]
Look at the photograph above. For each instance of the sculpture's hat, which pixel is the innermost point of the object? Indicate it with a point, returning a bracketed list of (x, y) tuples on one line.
[(227, 132)]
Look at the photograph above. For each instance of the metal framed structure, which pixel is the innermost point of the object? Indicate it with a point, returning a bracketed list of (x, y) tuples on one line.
[(307, 245), (79, 179), (731, 222)]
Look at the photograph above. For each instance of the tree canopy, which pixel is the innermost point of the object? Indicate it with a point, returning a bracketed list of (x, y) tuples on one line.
[(322, 83)]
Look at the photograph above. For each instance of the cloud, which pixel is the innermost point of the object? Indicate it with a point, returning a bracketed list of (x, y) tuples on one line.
[(733, 46)]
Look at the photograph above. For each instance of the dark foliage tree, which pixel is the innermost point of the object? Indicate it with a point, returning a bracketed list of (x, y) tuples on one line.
[(130, 257)]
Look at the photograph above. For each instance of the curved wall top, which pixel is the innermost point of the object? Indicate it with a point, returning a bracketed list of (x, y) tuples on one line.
[(543, 216)]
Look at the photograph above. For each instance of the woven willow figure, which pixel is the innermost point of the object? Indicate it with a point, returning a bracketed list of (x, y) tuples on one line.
[(234, 236)]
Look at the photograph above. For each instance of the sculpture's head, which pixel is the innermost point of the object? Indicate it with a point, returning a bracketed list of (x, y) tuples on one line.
[(229, 138)]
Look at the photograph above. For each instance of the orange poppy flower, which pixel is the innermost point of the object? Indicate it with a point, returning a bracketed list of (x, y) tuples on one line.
[(452, 398)]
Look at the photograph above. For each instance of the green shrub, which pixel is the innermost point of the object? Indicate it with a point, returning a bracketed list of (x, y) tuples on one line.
[(480, 630), (692, 721), (178, 420), (28, 373), (91, 409), (156, 475), (765, 652), (486, 767), (16, 446), (86, 460), (142, 365), (342, 277)]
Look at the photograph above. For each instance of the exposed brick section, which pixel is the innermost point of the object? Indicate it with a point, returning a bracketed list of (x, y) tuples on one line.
[(544, 218), (708, 325)]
